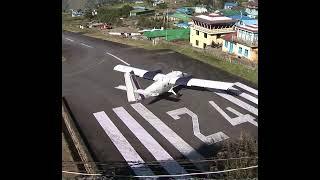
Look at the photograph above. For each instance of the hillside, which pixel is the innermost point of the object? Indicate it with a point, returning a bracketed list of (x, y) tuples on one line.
[(80, 4)]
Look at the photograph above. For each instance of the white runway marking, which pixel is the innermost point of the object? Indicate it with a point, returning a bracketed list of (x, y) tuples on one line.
[(210, 139), (118, 58), (249, 97), (246, 96), (86, 45), (246, 117), (237, 120), (247, 88), (170, 135), (125, 148), (69, 39), (240, 103), (149, 142)]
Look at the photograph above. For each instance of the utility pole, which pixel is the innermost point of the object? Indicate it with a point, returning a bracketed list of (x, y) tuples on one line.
[(167, 24)]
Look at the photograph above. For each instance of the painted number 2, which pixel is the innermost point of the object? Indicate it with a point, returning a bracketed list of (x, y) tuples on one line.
[(213, 138), (216, 137)]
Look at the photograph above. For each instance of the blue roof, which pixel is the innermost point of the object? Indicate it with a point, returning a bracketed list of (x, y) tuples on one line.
[(238, 17), (183, 25), (230, 4), (250, 22)]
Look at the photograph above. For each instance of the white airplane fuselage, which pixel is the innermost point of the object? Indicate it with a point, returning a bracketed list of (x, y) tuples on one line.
[(162, 85)]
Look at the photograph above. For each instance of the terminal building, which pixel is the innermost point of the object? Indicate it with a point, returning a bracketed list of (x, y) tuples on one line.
[(208, 29), (243, 43)]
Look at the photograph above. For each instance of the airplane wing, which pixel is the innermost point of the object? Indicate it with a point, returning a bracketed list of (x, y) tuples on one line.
[(189, 81), (150, 75)]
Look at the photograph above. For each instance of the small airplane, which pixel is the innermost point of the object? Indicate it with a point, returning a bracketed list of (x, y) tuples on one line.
[(163, 82)]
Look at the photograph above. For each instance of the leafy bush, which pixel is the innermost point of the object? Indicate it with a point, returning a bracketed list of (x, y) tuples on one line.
[(245, 146)]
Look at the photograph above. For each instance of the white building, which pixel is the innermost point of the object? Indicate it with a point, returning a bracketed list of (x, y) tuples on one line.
[(200, 9)]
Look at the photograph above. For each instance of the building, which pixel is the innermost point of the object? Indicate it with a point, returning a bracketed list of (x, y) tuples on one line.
[(138, 12), (157, 2), (183, 25), (247, 22), (240, 17), (242, 43), (232, 12), (252, 9), (76, 13), (244, 20), (179, 17), (167, 34), (185, 10), (200, 9), (208, 29), (229, 5), (138, 2)]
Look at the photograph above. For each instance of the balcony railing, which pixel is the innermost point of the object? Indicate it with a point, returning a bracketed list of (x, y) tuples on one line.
[(213, 31), (250, 43)]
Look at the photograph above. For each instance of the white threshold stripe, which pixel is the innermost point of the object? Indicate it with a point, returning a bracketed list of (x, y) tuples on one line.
[(170, 135), (247, 88), (118, 58), (240, 103), (249, 97), (86, 45), (165, 160), (121, 143), (246, 96), (69, 39)]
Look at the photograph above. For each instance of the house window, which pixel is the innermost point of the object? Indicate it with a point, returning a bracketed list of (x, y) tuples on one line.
[(205, 35), (197, 32), (204, 45), (246, 52), (240, 50), (226, 44), (197, 42)]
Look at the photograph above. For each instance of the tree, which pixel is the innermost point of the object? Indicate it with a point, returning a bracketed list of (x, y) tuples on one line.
[(150, 23), (125, 10), (113, 16), (163, 6), (88, 14), (149, 2)]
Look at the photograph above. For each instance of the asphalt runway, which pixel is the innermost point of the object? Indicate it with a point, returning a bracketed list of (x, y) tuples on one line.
[(165, 130)]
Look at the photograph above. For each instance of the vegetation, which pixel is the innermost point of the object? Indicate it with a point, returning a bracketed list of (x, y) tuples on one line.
[(162, 6), (235, 69), (88, 14), (111, 15), (148, 2), (72, 23), (239, 153), (145, 22)]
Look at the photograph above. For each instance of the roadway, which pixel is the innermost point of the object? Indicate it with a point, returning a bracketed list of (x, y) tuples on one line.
[(154, 129)]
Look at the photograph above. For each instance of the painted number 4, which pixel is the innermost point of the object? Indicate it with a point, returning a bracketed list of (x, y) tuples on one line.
[(216, 137)]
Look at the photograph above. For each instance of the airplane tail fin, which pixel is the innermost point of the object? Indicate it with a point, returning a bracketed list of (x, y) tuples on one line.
[(134, 91)]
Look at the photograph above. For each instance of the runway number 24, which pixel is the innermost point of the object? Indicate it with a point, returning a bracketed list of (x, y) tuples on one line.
[(216, 137)]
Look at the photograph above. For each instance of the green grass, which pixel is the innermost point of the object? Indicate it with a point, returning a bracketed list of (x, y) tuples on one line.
[(72, 24), (235, 69)]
